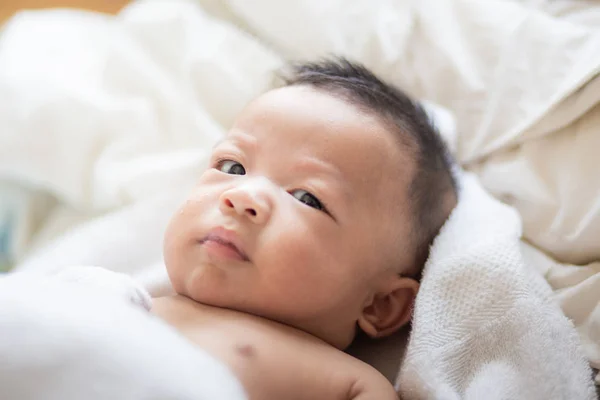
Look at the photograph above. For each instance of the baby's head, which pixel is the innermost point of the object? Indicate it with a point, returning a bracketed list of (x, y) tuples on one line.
[(318, 207)]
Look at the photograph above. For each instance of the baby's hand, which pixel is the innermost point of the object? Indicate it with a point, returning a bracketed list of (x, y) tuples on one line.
[(116, 283)]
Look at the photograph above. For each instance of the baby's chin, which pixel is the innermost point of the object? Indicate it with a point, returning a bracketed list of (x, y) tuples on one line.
[(209, 292)]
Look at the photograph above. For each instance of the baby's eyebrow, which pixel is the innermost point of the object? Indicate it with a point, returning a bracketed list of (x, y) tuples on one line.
[(219, 142), (238, 139), (315, 165)]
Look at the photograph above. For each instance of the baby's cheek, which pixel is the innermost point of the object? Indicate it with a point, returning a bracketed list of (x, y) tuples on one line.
[(176, 255), (302, 267)]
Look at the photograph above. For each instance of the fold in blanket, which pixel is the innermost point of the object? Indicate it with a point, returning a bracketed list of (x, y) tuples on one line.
[(61, 341), (485, 325)]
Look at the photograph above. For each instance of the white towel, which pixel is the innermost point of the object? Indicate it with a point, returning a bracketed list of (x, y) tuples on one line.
[(485, 324)]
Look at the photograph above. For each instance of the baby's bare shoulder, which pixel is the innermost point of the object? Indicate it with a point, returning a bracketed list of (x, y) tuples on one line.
[(360, 380), (275, 361), (308, 368)]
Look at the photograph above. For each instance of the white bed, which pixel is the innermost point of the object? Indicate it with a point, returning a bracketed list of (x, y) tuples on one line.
[(106, 121)]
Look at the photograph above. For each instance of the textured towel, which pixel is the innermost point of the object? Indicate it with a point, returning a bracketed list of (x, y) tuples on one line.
[(485, 324)]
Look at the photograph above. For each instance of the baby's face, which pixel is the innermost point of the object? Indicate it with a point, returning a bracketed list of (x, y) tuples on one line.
[(300, 216)]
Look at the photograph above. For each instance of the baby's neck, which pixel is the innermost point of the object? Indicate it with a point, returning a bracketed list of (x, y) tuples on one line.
[(187, 316)]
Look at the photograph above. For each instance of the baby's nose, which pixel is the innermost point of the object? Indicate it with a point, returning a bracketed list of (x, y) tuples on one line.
[(246, 202)]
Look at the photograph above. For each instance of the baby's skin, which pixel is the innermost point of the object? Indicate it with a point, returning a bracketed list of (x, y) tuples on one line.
[(272, 360)]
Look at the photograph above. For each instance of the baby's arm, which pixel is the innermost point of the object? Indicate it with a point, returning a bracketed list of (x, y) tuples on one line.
[(326, 375), (371, 385), (291, 367)]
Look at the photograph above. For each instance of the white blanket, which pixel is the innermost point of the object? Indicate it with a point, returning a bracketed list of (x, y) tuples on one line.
[(485, 325), (62, 341), (106, 121)]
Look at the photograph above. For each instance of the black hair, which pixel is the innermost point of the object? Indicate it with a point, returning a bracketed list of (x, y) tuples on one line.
[(433, 189)]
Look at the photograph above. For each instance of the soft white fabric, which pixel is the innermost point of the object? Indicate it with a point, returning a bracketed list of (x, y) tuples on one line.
[(115, 284), (485, 325), (106, 121), (64, 341), (576, 289)]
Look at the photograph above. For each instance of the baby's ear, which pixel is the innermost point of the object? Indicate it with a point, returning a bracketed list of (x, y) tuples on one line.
[(391, 307)]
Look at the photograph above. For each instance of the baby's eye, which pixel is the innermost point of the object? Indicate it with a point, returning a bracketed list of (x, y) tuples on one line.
[(231, 167), (307, 198)]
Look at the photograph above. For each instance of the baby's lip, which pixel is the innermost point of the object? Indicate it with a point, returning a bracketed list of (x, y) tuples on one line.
[(227, 238)]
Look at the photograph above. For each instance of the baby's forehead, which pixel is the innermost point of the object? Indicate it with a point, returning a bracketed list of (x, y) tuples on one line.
[(303, 123), (298, 114)]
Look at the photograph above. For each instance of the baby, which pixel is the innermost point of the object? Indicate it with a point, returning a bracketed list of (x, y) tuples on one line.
[(313, 221)]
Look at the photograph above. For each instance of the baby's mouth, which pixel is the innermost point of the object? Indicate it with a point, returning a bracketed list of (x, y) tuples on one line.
[(220, 243)]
